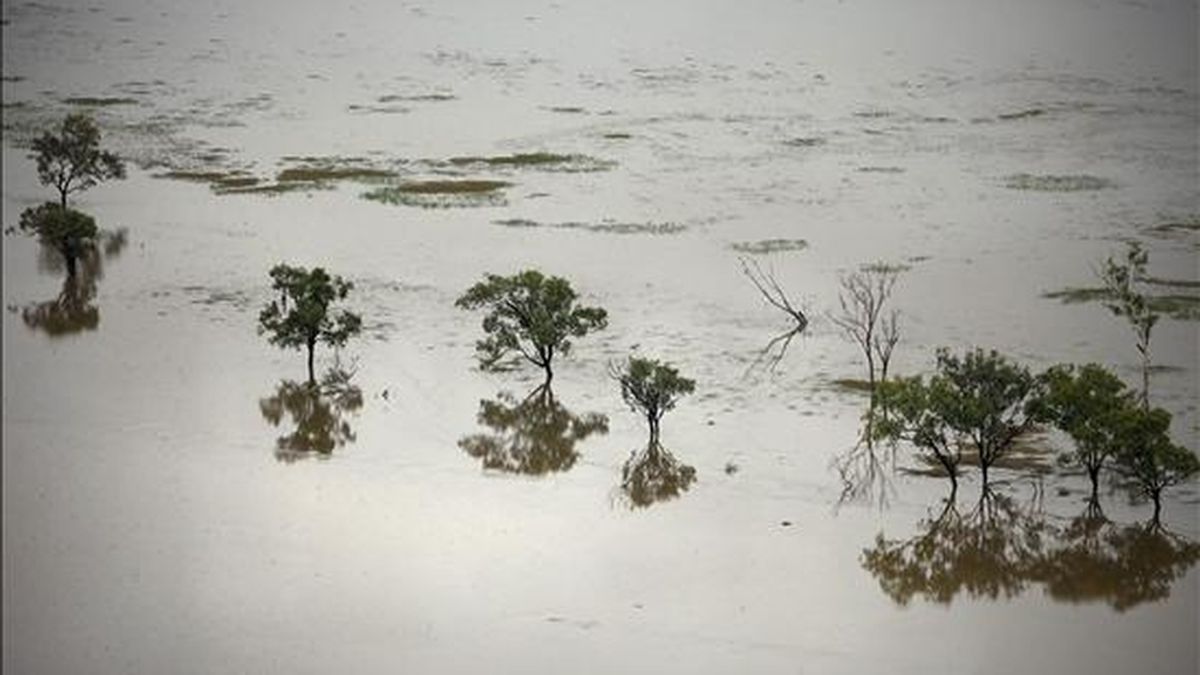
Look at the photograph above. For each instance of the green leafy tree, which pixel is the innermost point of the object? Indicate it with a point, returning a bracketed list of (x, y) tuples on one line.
[(1084, 403), (70, 159), (301, 316), (529, 314), (1121, 279), (1148, 457), (72, 233), (978, 402), (651, 388)]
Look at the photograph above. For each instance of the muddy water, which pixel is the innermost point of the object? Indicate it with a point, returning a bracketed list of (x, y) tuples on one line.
[(170, 505)]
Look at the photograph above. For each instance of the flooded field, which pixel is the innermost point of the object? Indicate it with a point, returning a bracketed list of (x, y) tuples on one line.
[(175, 499)]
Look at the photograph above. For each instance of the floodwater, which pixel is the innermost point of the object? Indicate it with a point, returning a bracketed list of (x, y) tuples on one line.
[(174, 501)]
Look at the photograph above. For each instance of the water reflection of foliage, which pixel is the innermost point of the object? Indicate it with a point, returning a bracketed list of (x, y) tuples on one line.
[(73, 310), (1000, 550), (866, 470), (653, 475), (534, 436), (317, 411)]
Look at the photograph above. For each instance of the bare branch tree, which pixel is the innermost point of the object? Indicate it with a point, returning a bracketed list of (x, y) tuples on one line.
[(862, 298), (768, 286)]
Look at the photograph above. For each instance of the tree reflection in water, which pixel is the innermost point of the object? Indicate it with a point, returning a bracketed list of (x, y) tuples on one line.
[(73, 310), (317, 413), (1000, 550), (653, 475), (534, 436)]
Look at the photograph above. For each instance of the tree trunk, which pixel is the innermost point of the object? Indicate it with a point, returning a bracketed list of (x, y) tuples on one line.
[(549, 373), (984, 467), (62, 198), (953, 485), (311, 378), (1094, 475), (69, 258), (653, 420), (1146, 377), (1157, 496)]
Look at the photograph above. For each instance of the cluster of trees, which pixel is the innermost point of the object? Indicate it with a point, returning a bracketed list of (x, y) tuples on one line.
[(528, 317), (975, 405)]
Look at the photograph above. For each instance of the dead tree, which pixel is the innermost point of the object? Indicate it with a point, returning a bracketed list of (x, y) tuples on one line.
[(775, 296), (862, 298)]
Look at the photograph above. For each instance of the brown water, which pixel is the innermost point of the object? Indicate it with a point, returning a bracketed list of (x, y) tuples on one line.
[(174, 503)]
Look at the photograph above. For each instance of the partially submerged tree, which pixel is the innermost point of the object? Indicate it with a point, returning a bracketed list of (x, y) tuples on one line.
[(1084, 403), (302, 315), (72, 233), (977, 402), (768, 286), (529, 314), (71, 159), (651, 388), (1121, 280), (1148, 457), (916, 415), (862, 319)]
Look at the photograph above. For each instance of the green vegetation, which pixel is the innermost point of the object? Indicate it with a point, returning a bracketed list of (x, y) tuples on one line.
[(71, 160), (1122, 281), (651, 388), (1085, 403), (1022, 115), (100, 101), (318, 414), (767, 246), (546, 161), (322, 174), (1147, 456), (602, 227), (618, 136), (302, 317), (530, 315), (980, 400), (70, 232), (441, 193), (1051, 183)]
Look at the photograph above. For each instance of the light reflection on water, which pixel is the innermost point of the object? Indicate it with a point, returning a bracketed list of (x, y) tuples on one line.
[(1001, 549)]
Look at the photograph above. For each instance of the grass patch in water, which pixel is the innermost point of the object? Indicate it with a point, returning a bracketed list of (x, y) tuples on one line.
[(100, 101), (805, 142), (852, 385), (1053, 183), (766, 246), (881, 169), (602, 227), (1180, 307), (418, 98), (546, 161), (567, 109), (442, 193), (1022, 115), (322, 174), (618, 136)]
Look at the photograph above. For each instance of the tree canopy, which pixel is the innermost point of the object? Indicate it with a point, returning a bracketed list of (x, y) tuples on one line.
[(976, 402), (531, 315), (1147, 456), (1085, 403), (72, 233), (70, 159), (651, 388), (301, 316)]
